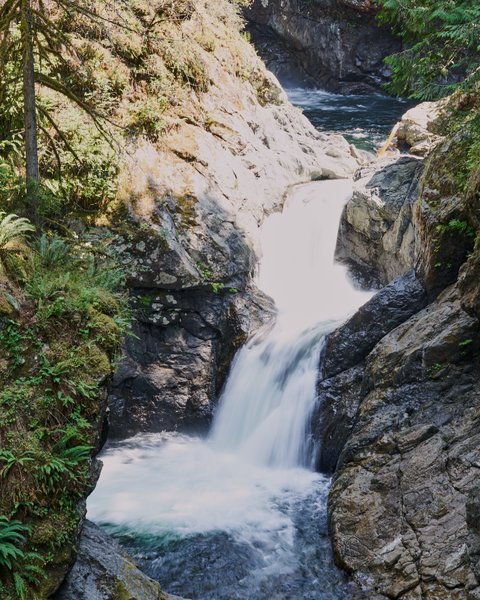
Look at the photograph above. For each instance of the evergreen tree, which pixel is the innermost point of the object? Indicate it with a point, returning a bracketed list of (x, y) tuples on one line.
[(442, 46), (34, 48)]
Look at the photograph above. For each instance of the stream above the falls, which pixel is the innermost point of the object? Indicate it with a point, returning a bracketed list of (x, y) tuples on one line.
[(365, 121), (241, 513)]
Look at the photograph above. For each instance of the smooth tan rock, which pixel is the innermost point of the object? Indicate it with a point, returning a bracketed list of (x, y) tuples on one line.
[(415, 128)]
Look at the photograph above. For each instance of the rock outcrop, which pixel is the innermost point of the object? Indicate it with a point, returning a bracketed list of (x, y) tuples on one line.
[(408, 414), (103, 571), (351, 342), (416, 129), (473, 544), (337, 45), (188, 223), (378, 225), (412, 211)]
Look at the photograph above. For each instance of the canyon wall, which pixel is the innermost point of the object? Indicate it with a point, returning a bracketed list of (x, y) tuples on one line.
[(336, 45), (399, 399), (187, 221)]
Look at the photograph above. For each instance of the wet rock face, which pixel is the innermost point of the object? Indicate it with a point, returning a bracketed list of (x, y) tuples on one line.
[(397, 507), (351, 342), (342, 363), (336, 45), (179, 357)]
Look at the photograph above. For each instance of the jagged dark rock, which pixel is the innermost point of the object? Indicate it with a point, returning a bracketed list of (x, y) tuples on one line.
[(336, 45), (350, 343), (180, 356), (407, 417)]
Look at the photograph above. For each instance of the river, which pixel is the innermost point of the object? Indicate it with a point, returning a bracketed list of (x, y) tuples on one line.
[(364, 121), (241, 514)]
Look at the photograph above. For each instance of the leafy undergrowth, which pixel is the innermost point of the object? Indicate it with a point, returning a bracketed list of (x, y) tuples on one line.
[(62, 316)]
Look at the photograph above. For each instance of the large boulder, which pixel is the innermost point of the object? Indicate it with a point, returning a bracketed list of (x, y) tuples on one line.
[(103, 571), (350, 343), (416, 129), (377, 227), (397, 503)]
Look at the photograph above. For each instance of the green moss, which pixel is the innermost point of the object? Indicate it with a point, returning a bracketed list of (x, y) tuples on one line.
[(6, 308), (185, 215), (55, 357)]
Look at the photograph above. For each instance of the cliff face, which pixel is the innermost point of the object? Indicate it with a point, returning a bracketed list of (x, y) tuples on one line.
[(399, 396), (336, 45)]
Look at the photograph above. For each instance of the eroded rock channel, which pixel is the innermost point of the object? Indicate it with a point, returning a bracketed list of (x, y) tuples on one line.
[(394, 411)]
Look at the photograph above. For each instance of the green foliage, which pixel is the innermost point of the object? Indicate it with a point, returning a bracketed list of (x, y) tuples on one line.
[(55, 354), (456, 225), (53, 251), (11, 533), (24, 567), (442, 46), (13, 251), (148, 118), (216, 286)]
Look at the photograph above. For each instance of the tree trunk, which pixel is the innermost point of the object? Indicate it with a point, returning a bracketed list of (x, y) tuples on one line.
[(30, 112)]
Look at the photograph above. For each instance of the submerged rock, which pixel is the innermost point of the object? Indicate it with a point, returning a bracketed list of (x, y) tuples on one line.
[(103, 571)]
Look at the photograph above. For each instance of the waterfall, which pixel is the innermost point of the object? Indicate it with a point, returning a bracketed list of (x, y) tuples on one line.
[(246, 488), (269, 396)]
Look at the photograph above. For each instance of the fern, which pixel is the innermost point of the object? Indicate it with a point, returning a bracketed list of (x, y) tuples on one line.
[(54, 251), (13, 249), (11, 533)]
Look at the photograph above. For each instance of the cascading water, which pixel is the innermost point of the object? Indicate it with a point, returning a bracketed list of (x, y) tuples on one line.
[(242, 514)]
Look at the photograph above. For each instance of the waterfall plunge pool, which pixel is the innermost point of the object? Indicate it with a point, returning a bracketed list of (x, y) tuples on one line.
[(242, 514)]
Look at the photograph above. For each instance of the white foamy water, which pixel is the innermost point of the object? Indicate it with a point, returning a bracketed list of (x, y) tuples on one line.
[(247, 478)]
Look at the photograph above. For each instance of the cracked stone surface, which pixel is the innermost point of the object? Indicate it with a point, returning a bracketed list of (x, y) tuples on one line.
[(378, 225), (411, 456)]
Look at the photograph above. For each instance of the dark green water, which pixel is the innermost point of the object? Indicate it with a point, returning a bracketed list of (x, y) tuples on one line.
[(365, 121)]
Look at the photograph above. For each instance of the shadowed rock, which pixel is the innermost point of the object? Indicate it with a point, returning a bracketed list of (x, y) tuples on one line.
[(350, 343)]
